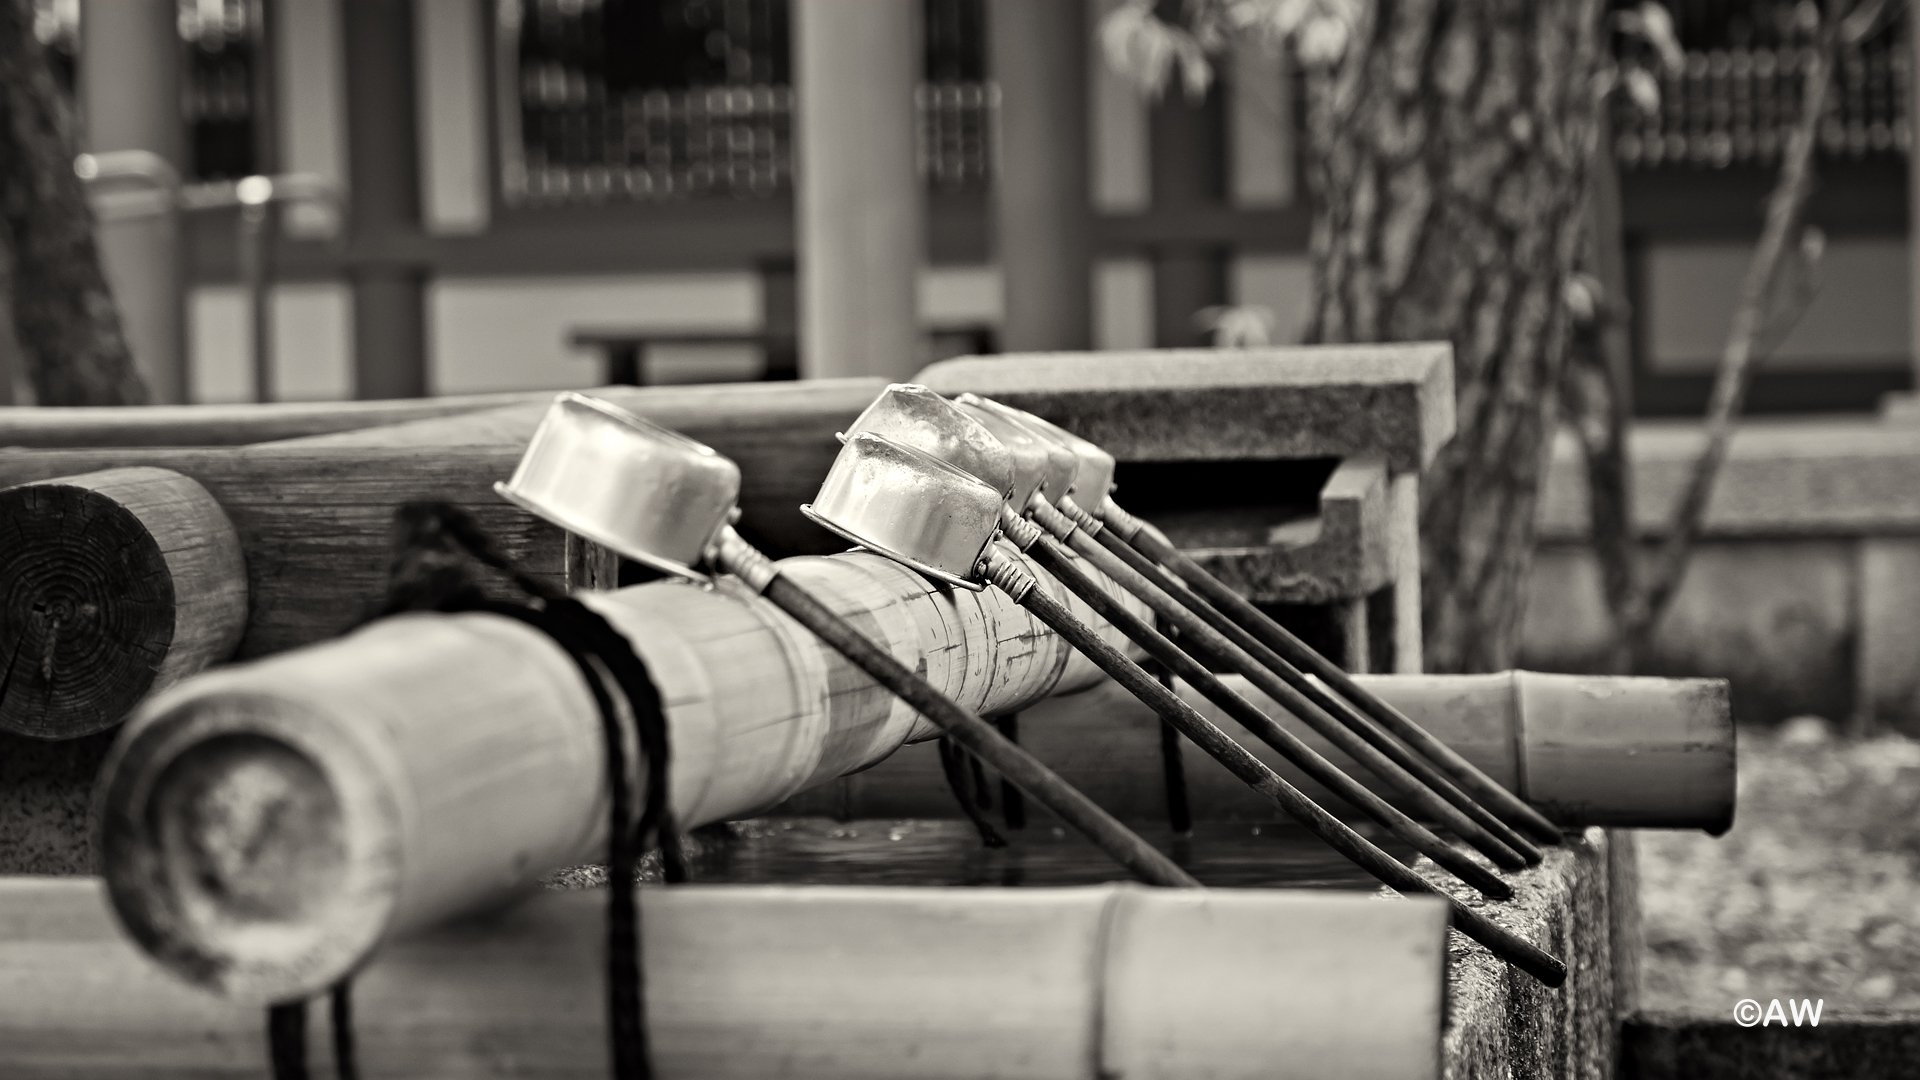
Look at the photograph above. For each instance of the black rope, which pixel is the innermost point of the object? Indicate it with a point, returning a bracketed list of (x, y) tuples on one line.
[(1013, 803), (953, 762), (287, 1040), (431, 572), (346, 1064), (1173, 772)]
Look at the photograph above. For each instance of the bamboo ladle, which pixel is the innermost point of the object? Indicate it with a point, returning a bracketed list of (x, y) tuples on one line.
[(659, 497), (1440, 781), (918, 417), (874, 495)]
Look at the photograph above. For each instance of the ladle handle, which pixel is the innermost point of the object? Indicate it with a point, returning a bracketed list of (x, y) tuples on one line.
[(1281, 640), (1050, 555), (1412, 776), (1223, 748), (1018, 766)]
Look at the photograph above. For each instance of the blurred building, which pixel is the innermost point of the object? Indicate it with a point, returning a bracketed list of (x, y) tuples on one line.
[(549, 193)]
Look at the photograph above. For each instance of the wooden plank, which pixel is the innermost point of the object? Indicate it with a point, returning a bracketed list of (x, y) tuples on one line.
[(225, 425), (813, 983)]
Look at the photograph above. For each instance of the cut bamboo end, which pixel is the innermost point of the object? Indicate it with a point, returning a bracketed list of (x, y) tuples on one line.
[(262, 827), (265, 825), (807, 983), (115, 584)]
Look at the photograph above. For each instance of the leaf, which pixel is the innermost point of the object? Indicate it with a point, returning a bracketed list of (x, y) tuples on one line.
[(1656, 26), (1322, 41), (1643, 89)]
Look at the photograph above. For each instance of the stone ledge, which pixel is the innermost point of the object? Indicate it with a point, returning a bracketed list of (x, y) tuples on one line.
[(1501, 1023), (1781, 479), (1679, 1046), (1260, 404)]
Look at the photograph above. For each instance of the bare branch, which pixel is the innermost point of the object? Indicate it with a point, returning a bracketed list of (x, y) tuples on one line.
[(1754, 321)]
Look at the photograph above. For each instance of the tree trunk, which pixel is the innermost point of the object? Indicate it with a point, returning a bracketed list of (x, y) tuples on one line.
[(63, 313), (1451, 146)]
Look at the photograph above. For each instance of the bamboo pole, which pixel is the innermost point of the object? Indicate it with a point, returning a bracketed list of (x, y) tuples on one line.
[(265, 826), (115, 583), (1609, 750), (835, 983)]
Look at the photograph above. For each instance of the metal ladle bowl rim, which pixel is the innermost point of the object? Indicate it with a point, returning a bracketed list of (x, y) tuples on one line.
[(574, 525)]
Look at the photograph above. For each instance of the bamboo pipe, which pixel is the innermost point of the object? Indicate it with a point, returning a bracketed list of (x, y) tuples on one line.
[(813, 983), (1617, 751), (266, 825), (115, 583)]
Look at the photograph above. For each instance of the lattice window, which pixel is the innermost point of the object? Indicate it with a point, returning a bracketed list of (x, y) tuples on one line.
[(663, 99), (1740, 92)]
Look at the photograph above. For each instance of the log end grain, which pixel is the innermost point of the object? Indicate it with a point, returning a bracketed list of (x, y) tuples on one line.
[(112, 584)]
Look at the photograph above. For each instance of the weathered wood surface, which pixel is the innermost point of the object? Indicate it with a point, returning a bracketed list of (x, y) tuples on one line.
[(226, 425), (428, 765), (1586, 750), (114, 583), (315, 526), (838, 983), (1395, 401)]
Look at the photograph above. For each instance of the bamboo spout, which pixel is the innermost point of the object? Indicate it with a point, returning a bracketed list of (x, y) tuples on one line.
[(265, 826)]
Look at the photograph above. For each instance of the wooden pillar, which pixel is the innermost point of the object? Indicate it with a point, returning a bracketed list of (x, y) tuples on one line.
[(129, 76), (861, 218), (1912, 32), (1189, 172), (389, 295), (1039, 58)]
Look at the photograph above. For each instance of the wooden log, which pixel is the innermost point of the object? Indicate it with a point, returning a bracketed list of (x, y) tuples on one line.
[(226, 425), (264, 826), (316, 526), (1586, 750), (314, 516), (115, 583), (838, 983)]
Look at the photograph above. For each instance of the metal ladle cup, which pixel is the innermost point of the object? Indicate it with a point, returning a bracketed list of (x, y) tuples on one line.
[(915, 416), (912, 507), (649, 493)]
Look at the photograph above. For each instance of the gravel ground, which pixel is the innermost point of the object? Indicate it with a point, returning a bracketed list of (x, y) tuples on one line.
[(1815, 892)]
